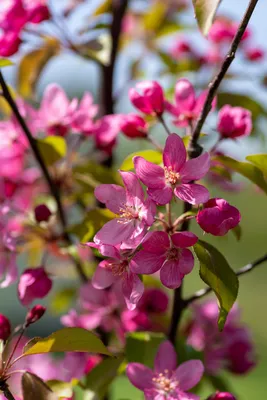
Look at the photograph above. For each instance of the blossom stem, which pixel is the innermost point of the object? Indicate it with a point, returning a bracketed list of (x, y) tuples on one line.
[(155, 143), (163, 123), (242, 271), (14, 349), (51, 184), (5, 389), (214, 85)]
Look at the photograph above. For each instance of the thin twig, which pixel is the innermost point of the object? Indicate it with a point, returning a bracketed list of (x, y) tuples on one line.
[(242, 271), (163, 122), (51, 184), (214, 85)]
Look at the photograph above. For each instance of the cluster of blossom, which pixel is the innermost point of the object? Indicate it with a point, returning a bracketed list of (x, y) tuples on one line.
[(220, 36), (15, 14)]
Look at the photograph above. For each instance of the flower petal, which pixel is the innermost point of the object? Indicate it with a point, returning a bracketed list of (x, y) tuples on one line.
[(185, 95), (103, 277), (114, 232), (146, 263), (184, 239), (132, 289), (140, 376), (109, 251), (134, 190), (196, 168), (114, 196), (189, 374), (161, 196), (186, 262), (150, 174), (192, 193), (170, 275), (174, 154), (165, 357), (157, 242)]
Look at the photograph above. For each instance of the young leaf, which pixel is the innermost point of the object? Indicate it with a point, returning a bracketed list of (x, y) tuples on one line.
[(260, 160), (150, 155), (217, 273), (142, 347), (205, 11), (60, 388), (64, 340), (5, 62), (52, 149), (34, 388), (237, 231), (245, 169)]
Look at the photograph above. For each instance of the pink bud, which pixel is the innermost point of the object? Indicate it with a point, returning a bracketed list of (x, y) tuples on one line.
[(234, 122), (33, 284), (42, 213), (38, 14), (218, 217), (5, 328), (254, 54), (9, 43), (134, 126), (35, 314), (150, 100), (222, 395)]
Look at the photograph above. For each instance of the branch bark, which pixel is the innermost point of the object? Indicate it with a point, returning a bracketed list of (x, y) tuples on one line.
[(5, 389), (51, 184)]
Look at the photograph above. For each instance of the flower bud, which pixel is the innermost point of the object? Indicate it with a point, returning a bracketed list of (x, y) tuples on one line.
[(234, 122), (42, 213), (134, 126), (150, 100), (34, 284), (5, 328), (222, 396), (35, 314)]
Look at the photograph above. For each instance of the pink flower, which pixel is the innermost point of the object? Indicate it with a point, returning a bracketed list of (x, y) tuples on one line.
[(167, 254), (38, 13), (254, 54), (135, 212), (8, 262), (222, 396), (34, 314), (33, 284), (166, 381), (134, 126), (5, 327), (176, 176), (222, 31), (234, 122), (187, 106), (106, 131), (218, 217), (134, 320), (82, 120), (14, 16), (154, 301), (182, 49), (9, 43), (150, 100), (117, 267)]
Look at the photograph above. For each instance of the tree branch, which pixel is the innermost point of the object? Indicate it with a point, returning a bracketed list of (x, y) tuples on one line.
[(51, 184), (242, 271), (214, 85), (5, 389)]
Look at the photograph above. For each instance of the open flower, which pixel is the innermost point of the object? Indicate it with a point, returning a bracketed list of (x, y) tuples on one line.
[(167, 254), (135, 213), (166, 381), (176, 176)]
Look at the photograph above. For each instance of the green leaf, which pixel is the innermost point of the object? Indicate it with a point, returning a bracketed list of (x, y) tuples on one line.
[(99, 379), (5, 62), (245, 169), (60, 388), (217, 273), (150, 155), (34, 388), (62, 300), (52, 149), (205, 11), (92, 174), (142, 347), (240, 100), (237, 231), (155, 16), (260, 160), (220, 383), (65, 340), (98, 49)]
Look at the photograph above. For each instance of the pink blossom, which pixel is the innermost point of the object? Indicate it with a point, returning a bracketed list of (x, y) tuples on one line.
[(106, 131), (176, 176), (34, 314), (218, 217), (82, 120), (117, 267), (5, 327), (8, 262), (37, 12), (231, 349), (167, 254), (222, 31), (134, 126), (166, 381), (222, 396), (9, 43), (33, 284), (187, 106), (234, 122), (181, 49), (148, 97), (254, 54), (135, 212), (134, 320)]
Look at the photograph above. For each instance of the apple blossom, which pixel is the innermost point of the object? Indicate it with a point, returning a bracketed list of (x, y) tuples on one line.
[(148, 97), (234, 122), (34, 283), (5, 327)]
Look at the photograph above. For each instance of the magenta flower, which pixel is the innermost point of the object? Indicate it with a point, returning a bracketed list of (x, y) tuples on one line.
[(166, 381), (150, 100), (5, 327), (222, 396), (218, 217), (187, 106), (134, 126), (106, 131), (135, 212), (33, 284), (176, 176), (9, 43), (115, 268), (82, 119), (167, 254), (254, 54), (234, 122)]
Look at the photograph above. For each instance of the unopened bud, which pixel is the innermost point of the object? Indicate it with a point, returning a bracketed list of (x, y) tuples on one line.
[(5, 327), (35, 314), (42, 213), (222, 396)]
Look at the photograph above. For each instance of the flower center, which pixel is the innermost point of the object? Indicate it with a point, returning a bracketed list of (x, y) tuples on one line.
[(173, 253), (164, 383), (118, 268), (171, 176), (128, 213)]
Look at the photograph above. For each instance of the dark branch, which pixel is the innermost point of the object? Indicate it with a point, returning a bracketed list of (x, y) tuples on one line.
[(5, 389), (214, 85), (51, 184), (242, 271)]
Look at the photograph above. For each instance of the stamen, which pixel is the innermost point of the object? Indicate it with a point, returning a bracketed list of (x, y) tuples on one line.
[(171, 176)]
